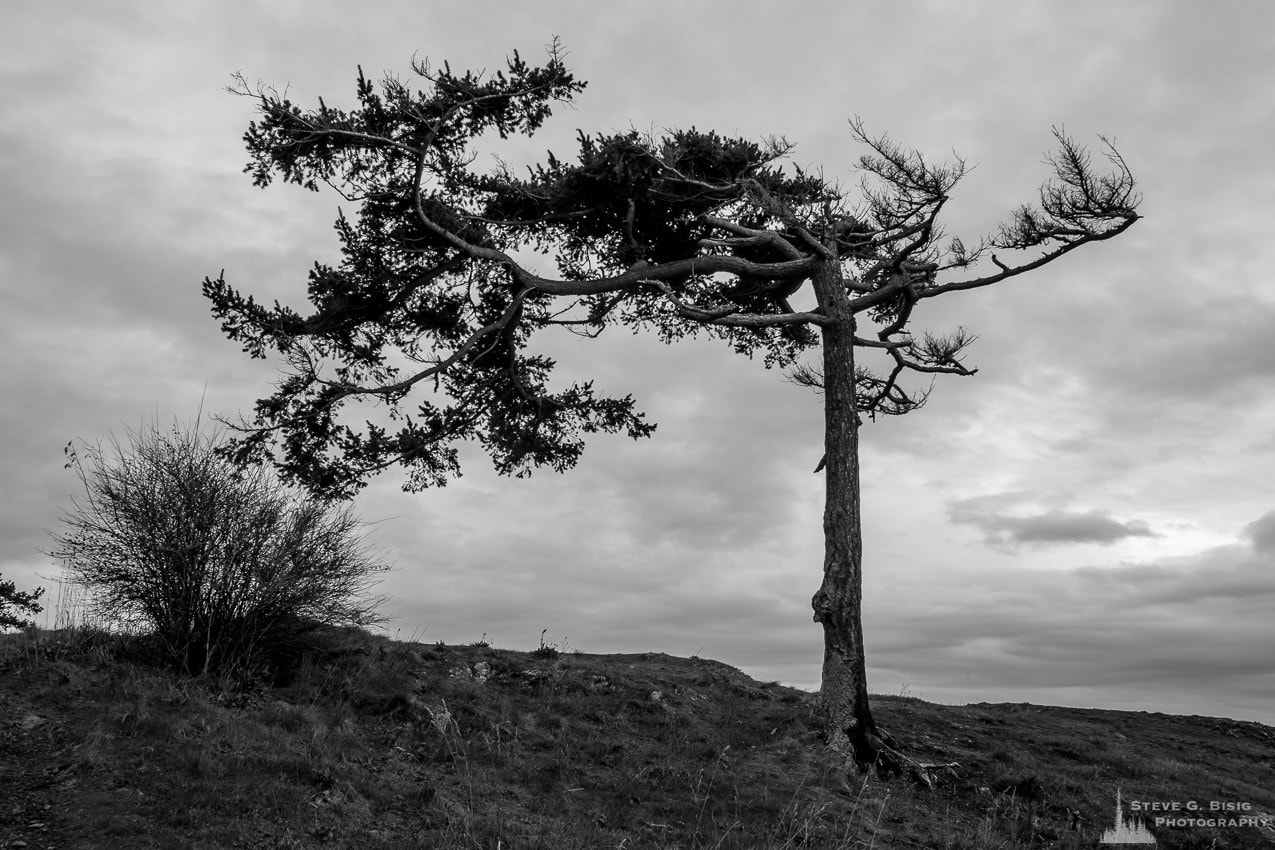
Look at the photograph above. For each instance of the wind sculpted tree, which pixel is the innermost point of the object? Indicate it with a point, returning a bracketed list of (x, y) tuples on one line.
[(687, 232)]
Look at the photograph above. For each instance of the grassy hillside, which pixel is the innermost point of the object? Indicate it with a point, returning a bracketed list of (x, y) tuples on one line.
[(377, 743)]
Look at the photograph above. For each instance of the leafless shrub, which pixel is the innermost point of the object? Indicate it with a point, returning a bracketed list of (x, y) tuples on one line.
[(226, 567)]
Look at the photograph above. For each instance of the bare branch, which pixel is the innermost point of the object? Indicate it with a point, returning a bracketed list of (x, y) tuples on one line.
[(1077, 207), (1014, 271), (882, 343), (731, 316), (936, 354), (774, 207), (748, 237)]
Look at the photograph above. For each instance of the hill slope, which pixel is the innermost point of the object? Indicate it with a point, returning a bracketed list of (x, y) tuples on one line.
[(377, 743)]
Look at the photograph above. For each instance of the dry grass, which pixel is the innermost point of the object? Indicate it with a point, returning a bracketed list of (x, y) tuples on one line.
[(378, 743)]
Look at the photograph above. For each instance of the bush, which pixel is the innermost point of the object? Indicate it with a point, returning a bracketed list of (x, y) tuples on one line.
[(14, 602), (227, 568)]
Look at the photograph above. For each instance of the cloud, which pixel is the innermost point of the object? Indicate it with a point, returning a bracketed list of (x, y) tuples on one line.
[(1261, 533), (1188, 633), (1047, 528)]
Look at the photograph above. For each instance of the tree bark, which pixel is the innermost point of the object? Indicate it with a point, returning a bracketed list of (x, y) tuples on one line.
[(844, 713)]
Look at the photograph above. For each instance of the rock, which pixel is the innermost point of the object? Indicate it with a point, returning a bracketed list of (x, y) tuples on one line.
[(30, 722), (479, 673)]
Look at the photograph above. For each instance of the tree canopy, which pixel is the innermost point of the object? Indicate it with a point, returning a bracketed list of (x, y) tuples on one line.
[(681, 233)]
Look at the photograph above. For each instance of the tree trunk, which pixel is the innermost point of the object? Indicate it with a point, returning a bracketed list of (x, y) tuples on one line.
[(844, 712)]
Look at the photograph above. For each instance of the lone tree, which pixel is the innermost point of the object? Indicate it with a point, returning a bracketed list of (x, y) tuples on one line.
[(682, 233)]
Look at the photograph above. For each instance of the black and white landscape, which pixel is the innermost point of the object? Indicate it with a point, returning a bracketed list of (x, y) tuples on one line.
[(1088, 521)]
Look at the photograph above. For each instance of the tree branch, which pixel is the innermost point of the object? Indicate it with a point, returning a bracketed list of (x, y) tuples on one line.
[(1013, 271), (441, 366), (731, 316)]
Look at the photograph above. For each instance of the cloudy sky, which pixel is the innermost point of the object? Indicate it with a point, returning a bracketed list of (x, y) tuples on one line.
[(1090, 520)]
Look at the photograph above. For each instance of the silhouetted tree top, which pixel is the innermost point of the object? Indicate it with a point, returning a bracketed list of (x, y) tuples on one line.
[(682, 233)]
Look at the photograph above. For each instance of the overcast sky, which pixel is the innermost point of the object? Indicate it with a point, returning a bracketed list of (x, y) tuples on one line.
[(1089, 520)]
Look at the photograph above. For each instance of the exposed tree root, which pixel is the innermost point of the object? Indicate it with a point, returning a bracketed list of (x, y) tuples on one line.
[(877, 749)]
